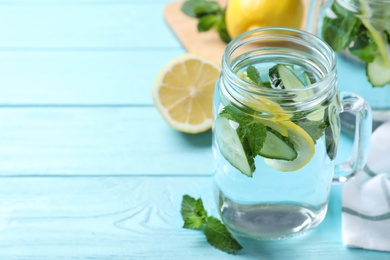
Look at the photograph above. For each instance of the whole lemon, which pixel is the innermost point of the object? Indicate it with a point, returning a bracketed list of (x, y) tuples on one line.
[(245, 15)]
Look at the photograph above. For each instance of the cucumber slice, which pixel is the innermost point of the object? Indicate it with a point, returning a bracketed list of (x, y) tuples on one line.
[(378, 72), (303, 145), (309, 78), (274, 78), (278, 147), (288, 77), (231, 147), (283, 78)]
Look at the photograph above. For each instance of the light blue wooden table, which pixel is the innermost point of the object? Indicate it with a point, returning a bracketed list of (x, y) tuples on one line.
[(89, 169)]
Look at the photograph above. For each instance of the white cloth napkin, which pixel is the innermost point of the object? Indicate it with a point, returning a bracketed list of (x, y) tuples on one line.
[(366, 198)]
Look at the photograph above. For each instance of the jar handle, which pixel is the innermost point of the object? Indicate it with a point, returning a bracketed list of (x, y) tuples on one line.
[(353, 103)]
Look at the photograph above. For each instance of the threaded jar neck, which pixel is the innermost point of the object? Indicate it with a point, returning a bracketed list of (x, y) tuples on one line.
[(286, 46)]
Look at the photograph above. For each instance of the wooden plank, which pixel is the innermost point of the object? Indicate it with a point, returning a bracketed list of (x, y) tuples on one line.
[(34, 25), (98, 141), (78, 2), (102, 141), (135, 218), (207, 43), (81, 77)]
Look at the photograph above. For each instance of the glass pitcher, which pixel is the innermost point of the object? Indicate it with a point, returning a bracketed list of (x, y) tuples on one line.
[(276, 131), (359, 32)]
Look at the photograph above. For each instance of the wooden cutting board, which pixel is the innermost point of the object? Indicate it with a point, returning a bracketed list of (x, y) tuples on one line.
[(208, 43)]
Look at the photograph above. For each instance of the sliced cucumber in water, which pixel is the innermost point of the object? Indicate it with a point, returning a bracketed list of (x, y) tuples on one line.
[(278, 147), (231, 147), (378, 72), (284, 78), (303, 145), (238, 153), (274, 78), (309, 78)]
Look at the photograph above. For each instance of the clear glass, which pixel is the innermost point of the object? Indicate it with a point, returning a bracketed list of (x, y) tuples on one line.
[(359, 32), (280, 197)]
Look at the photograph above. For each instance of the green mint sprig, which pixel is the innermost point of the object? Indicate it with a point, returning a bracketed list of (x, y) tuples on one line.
[(314, 128), (345, 22), (254, 75), (344, 30), (195, 217), (209, 14), (252, 133), (364, 46)]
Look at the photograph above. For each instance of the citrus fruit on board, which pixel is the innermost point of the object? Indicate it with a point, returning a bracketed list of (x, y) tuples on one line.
[(245, 15), (183, 92)]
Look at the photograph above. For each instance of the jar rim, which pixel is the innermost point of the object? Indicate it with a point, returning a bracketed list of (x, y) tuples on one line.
[(323, 86)]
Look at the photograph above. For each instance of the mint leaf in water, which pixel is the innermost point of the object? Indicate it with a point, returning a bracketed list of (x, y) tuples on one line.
[(254, 75), (364, 46), (314, 128), (251, 132), (254, 132), (340, 28), (195, 217), (219, 237)]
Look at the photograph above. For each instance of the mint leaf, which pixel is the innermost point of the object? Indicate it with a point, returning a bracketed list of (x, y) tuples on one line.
[(207, 22), (254, 75), (364, 46), (188, 8), (193, 213), (314, 128), (206, 7), (219, 237), (199, 8), (251, 132), (339, 32), (221, 27), (254, 132), (195, 217), (210, 15)]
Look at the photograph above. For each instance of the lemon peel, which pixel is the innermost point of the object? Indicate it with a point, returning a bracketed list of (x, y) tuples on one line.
[(242, 16)]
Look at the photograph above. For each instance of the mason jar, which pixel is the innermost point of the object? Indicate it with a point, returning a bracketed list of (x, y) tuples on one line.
[(359, 32), (276, 132)]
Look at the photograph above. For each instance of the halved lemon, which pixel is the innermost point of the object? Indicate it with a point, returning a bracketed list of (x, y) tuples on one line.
[(183, 92)]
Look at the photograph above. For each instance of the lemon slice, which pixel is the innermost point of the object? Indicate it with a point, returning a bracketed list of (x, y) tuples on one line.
[(279, 121), (183, 92), (303, 144)]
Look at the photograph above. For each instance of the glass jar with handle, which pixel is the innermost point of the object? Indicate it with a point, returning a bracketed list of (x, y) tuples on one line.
[(276, 131)]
